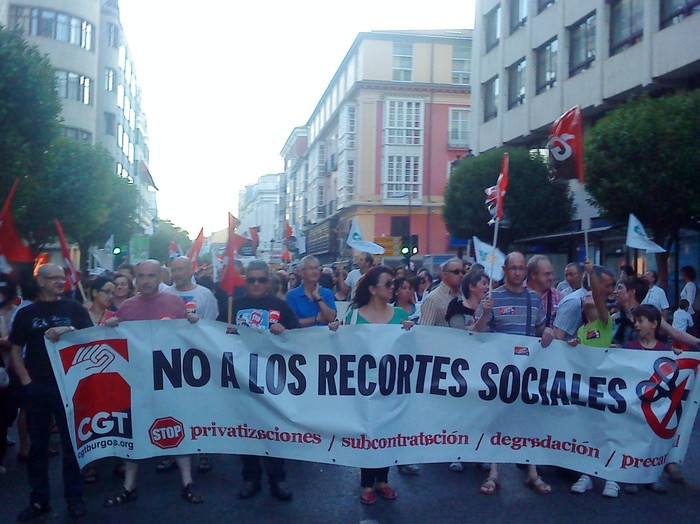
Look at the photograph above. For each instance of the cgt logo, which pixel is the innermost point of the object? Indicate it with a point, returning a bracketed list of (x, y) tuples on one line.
[(166, 432), (663, 394), (102, 398)]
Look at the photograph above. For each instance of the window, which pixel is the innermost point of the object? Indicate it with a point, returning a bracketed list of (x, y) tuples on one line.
[(490, 90), (55, 25), (673, 11), (518, 14), (403, 176), (546, 68), (403, 62), (626, 24), (112, 35), (109, 79), (110, 123), (77, 134), (120, 135), (403, 122), (73, 86), (461, 64), (582, 45), (349, 127), (492, 23), (544, 4), (459, 128), (120, 96), (516, 83)]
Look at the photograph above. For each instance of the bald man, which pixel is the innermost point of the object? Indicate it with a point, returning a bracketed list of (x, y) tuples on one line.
[(152, 304)]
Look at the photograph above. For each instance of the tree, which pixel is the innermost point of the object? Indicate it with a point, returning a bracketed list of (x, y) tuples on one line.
[(533, 205), (643, 158), (29, 109), (159, 243)]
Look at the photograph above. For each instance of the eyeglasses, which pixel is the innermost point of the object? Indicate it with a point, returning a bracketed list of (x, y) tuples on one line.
[(456, 271), (55, 278), (259, 280), (388, 284), (106, 292)]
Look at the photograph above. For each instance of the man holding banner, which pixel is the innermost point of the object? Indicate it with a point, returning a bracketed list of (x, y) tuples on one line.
[(516, 310), (152, 304), (50, 316), (258, 309)]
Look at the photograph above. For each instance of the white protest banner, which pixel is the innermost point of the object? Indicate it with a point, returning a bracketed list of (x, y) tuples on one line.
[(374, 395)]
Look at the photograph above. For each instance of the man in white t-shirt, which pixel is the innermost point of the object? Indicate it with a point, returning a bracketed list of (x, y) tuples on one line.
[(656, 296), (364, 261), (198, 299)]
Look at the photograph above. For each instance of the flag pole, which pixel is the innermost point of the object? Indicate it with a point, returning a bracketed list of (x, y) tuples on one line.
[(493, 250)]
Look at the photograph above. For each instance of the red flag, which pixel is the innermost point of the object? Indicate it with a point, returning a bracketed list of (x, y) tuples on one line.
[(11, 246), (254, 237), (566, 146), (73, 278), (174, 250), (288, 231), (229, 277), (40, 260), (193, 253), (495, 195)]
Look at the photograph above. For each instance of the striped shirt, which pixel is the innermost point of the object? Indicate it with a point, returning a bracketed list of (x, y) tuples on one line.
[(509, 313)]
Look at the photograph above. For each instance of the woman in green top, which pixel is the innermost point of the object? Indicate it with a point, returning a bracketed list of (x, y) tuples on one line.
[(371, 305)]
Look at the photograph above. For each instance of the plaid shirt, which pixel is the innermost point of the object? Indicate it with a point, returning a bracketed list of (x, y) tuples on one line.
[(432, 312)]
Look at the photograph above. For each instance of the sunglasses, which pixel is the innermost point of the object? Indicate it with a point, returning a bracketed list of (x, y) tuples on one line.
[(456, 271), (259, 280), (388, 284)]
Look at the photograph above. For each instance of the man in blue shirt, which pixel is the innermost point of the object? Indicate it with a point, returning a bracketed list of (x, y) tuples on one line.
[(312, 304)]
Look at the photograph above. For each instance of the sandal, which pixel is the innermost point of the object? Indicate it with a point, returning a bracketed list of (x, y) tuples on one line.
[(490, 486), (538, 485), (123, 497), (368, 497), (204, 464), (90, 475), (386, 492), (166, 465), (190, 496)]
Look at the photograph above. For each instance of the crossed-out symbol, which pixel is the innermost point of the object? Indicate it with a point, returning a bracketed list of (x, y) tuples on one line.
[(663, 385)]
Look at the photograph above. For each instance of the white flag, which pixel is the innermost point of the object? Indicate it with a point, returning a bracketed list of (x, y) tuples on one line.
[(356, 241), (491, 259), (301, 239), (637, 237)]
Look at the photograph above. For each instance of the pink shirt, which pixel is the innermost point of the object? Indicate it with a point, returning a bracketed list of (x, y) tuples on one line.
[(159, 307)]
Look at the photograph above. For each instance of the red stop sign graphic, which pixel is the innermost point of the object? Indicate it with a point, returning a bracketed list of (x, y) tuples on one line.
[(166, 432)]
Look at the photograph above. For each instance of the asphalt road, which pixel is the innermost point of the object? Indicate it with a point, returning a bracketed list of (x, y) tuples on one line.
[(329, 494)]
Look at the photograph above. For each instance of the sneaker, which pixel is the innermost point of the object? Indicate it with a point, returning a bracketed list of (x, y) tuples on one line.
[(456, 467), (33, 511), (630, 489), (611, 489), (583, 484), (281, 491), (409, 469)]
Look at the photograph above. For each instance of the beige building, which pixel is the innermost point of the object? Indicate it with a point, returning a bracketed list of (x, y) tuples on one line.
[(96, 82), (379, 145)]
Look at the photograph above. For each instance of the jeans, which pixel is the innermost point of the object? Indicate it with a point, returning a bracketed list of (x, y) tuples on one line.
[(41, 400), (252, 469)]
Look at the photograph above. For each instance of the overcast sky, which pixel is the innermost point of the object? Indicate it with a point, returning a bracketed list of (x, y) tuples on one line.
[(224, 84)]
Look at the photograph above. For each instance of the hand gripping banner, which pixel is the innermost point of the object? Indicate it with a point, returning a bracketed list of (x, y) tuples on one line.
[(374, 395)]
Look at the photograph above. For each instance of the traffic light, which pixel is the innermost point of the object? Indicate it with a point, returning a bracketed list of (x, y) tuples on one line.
[(414, 244), (117, 250), (406, 248)]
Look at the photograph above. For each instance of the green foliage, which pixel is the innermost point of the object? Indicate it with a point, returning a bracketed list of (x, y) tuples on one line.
[(643, 158), (533, 205), (29, 107), (159, 246)]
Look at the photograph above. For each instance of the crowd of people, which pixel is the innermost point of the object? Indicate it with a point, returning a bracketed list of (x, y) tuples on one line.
[(591, 306)]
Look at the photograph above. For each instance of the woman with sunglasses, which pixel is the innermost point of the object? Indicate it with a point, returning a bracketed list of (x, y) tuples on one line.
[(371, 305), (101, 300)]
